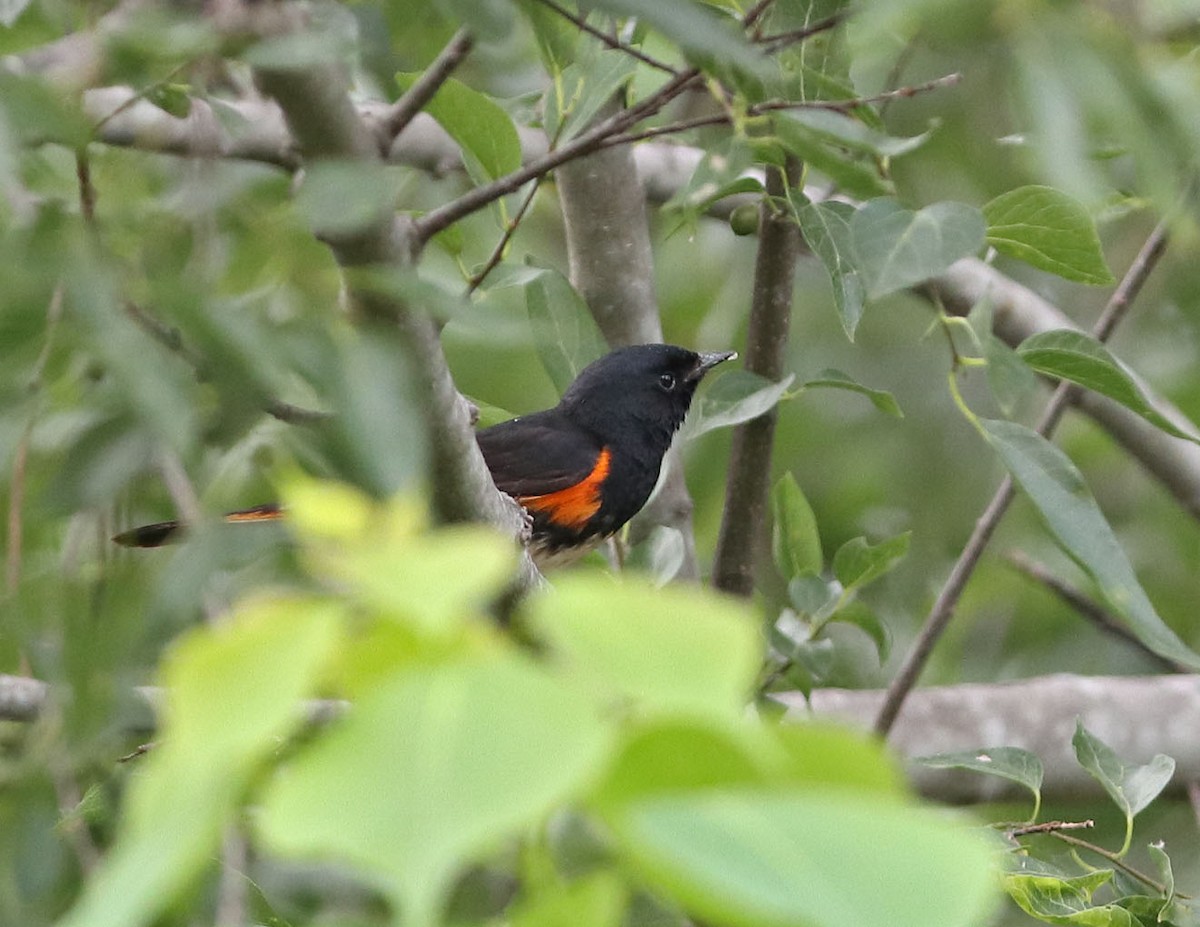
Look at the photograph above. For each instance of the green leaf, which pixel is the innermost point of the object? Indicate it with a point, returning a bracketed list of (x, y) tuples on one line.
[(734, 398), (480, 127), (826, 228), (850, 173), (1130, 787), (858, 563), (431, 769), (224, 715), (898, 248), (753, 857), (854, 134), (1080, 358), (1010, 763), (556, 37), (583, 91), (682, 650), (567, 337), (1058, 491), (1011, 380), (795, 541), (863, 618), (1066, 901), (881, 399), (1050, 230)]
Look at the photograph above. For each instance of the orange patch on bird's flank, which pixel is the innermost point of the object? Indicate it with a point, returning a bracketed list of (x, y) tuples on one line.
[(574, 506)]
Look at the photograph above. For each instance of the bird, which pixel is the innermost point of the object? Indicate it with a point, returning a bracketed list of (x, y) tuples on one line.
[(582, 469)]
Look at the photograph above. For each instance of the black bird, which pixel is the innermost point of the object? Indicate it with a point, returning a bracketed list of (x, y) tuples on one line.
[(581, 469)]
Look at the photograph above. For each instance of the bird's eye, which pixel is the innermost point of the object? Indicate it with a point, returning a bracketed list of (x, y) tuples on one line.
[(667, 381)]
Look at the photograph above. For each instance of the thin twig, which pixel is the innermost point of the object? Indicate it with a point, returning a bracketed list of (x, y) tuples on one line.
[(781, 40), (755, 13), (443, 216), (510, 229), (1112, 858), (1089, 608), (171, 338), (414, 99), (759, 109), (1193, 793), (947, 600), (135, 98), (582, 24), (1049, 827)]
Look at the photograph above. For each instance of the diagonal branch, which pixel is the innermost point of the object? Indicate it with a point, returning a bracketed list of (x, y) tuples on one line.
[(584, 26), (413, 100), (443, 216), (947, 600), (1089, 608)]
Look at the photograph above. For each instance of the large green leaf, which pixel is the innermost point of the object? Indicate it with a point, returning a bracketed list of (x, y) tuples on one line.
[(794, 539), (826, 228), (1131, 786), (223, 716), (734, 398), (1010, 763), (775, 857), (677, 649), (565, 333), (1050, 230), (859, 562), (1055, 900), (852, 173), (897, 248), (431, 769), (482, 129), (1080, 358), (1060, 494)]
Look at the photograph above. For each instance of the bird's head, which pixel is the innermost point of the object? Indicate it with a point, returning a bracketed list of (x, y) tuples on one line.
[(646, 387)]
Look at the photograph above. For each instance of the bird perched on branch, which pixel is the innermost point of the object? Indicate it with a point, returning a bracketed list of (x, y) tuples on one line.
[(581, 469)]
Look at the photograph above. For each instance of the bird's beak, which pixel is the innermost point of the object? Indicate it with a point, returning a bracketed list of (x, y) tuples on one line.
[(708, 361)]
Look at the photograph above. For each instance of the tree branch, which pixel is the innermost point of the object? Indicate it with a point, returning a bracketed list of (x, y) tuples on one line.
[(947, 600), (438, 219), (612, 266), (1088, 607), (1035, 714), (321, 117), (1038, 715), (583, 25), (748, 485), (413, 100)]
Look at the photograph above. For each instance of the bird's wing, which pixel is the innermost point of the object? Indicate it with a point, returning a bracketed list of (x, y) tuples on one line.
[(539, 454)]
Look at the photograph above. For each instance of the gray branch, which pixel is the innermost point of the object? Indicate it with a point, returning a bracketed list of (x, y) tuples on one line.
[(1136, 716), (612, 267)]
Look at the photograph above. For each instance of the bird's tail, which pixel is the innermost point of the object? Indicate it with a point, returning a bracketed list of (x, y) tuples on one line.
[(164, 532)]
